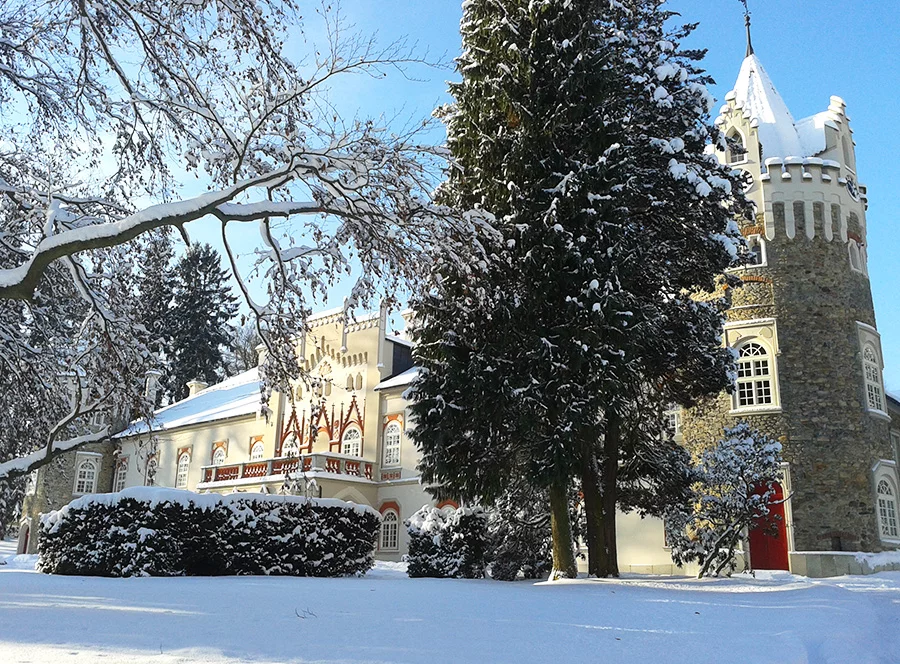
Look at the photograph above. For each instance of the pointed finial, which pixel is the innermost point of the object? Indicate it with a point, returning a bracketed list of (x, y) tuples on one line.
[(747, 23)]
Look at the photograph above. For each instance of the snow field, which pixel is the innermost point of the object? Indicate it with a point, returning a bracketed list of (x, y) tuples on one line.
[(386, 617)]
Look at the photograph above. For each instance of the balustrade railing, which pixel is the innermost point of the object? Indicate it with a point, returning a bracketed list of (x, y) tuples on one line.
[(335, 464)]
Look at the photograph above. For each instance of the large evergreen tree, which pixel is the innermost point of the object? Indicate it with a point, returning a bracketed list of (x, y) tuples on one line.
[(582, 127), (202, 307), (155, 286)]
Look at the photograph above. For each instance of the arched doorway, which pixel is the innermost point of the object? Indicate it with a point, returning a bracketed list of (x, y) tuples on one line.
[(768, 544)]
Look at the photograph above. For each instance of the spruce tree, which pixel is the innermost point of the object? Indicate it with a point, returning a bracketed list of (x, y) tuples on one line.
[(155, 284), (202, 307), (582, 127)]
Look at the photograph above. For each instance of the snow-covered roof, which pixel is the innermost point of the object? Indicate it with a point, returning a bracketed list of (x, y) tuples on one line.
[(400, 380), (399, 340), (779, 134), (233, 397)]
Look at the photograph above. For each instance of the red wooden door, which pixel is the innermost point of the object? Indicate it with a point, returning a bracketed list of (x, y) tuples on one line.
[(771, 551)]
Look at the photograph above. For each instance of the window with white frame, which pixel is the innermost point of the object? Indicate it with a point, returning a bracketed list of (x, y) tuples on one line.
[(672, 421), (352, 442), (86, 476), (856, 256), (152, 470), (257, 451), (887, 509), (736, 155), (754, 377), (184, 467), (391, 445), (390, 530), (872, 370), (218, 457), (121, 474)]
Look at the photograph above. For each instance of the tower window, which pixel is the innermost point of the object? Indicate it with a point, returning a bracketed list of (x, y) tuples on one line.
[(754, 377), (756, 251), (86, 476), (887, 510), (737, 150), (872, 369), (857, 256)]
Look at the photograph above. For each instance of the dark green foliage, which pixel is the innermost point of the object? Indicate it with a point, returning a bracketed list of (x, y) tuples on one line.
[(454, 546), (519, 532), (202, 306), (181, 534)]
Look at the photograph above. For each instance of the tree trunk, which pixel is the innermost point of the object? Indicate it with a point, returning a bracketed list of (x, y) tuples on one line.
[(593, 510), (610, 473), (563, 555)]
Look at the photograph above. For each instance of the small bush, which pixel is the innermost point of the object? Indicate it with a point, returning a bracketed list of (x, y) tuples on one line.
[(166, 532), (454, 546)]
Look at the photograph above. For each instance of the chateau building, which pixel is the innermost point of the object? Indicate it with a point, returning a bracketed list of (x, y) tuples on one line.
[(809, 374)]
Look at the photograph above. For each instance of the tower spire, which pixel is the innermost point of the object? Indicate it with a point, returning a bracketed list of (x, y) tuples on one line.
[(747, 23)]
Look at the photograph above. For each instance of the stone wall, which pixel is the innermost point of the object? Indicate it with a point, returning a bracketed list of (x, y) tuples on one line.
[(56, 482)]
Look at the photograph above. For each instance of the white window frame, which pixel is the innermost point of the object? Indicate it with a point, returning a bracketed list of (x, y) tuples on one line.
[(120, 477), (393, 435), (673, 420), (355, 441), (761, 379), (182, 470), (887, 503), (857, 257), (762, 253), (874, 395), (389, 537), (732, 158), (219, 456), (87, 484), (291, 446), (257, 450)]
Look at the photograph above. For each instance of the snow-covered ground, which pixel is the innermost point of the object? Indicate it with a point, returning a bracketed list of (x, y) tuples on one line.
[(386, 617)]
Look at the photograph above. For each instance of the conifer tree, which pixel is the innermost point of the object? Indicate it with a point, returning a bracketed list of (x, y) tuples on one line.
[(582, 127), (155, 284), (203, 304)]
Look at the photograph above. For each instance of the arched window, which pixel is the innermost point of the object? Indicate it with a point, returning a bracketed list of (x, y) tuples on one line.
[(152, 469), (391, 455), (754, 377), (298, 393), (739, 154), (121, 475), (86, 476), (218, 457), (257, 450), (352, 442), (887, 510), (327, 388), (872, 370), (291, 446), (390, 531), (358, 381), (349, 383), (181, 474)]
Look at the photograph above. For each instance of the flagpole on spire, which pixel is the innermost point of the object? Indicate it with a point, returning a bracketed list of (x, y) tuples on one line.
[(747, 23)]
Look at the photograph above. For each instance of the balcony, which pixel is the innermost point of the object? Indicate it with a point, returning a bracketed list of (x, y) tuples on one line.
[(325, 465)]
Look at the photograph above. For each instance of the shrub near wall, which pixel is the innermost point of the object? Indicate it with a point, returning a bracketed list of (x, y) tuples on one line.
[(454, 546), (146, 531)]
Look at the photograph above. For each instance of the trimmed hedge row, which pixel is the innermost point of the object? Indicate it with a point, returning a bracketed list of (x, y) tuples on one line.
[(454, 546), (148, 531)]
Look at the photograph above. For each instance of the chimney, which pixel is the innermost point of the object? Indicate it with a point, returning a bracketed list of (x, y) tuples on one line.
[(151, 385), (196, 386)]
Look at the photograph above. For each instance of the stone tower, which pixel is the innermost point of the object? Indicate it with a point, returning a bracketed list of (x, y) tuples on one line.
[(803, 324)]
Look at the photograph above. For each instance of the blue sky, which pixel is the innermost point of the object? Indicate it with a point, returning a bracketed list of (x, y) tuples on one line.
[(812, 50)]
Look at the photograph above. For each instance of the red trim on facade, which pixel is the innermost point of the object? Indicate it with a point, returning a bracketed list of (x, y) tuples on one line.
[(389, 505), (448, 503)]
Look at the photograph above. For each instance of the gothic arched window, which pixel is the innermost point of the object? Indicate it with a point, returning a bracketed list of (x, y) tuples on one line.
[(291, 446), (739, 154), (218, 457), (257, 451)]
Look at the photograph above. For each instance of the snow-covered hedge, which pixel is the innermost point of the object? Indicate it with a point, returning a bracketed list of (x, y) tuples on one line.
[(146, 531), (442, 545)]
